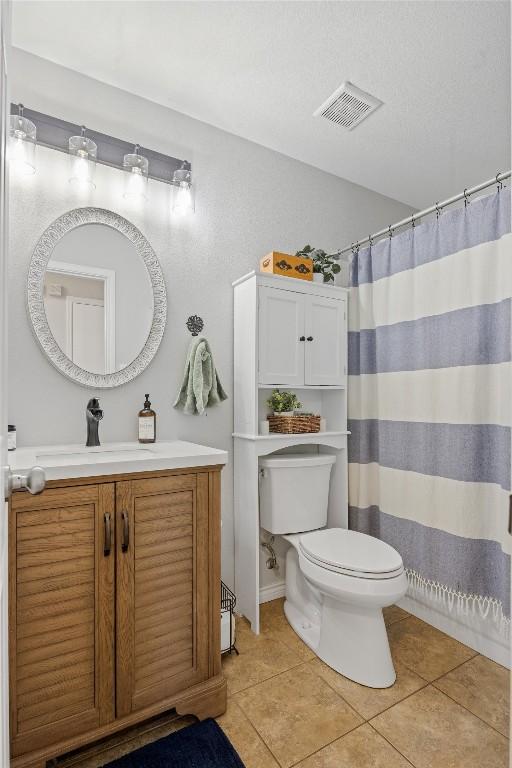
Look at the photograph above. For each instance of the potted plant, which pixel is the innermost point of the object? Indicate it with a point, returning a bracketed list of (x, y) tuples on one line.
[(283, 403), (324, 264)]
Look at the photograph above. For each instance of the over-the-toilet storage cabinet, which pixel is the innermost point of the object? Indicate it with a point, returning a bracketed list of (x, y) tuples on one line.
[(301, 337), (290, 334)]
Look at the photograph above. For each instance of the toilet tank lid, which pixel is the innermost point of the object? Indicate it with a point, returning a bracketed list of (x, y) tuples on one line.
[(297, 460)]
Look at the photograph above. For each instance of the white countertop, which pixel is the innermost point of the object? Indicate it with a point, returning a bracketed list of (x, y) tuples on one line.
[(65, 461)]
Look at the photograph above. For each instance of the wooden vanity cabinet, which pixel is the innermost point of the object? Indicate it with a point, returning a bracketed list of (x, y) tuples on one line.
[(114, 607)]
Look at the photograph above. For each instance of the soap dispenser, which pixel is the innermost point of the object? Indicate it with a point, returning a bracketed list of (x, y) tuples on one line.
[(147, 423)]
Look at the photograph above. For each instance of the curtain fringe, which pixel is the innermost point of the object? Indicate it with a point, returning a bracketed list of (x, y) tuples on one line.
[(458, 602)]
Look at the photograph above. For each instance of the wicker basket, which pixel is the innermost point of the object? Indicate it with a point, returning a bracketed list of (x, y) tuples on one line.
[(292, 425)]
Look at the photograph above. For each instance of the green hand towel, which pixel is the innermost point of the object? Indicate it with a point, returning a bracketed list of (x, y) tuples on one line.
[(201, 387)]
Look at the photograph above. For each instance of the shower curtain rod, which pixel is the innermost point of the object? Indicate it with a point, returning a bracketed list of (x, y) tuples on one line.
[(498, 179)]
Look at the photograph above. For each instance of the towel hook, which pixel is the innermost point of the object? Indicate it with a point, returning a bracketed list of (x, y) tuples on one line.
[(195, 324)]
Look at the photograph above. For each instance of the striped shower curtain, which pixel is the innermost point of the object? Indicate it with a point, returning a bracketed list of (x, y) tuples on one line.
[(430, 400)]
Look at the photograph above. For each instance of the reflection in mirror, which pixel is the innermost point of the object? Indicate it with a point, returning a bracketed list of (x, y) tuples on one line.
[(98, 298)]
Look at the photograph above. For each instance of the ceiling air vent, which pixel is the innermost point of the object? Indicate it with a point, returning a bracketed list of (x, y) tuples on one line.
[(348, 106)]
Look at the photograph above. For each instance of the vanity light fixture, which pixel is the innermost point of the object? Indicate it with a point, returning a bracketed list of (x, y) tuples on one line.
[(22, 143), (87, 151), (136, 179), (182, 192), (83, 152)]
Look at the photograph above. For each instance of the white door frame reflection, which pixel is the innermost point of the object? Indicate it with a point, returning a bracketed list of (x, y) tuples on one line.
[(107, 278)]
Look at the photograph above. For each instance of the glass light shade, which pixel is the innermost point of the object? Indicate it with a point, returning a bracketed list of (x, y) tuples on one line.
[(182, 191), (82, 153), (136, 178), (22, 145)]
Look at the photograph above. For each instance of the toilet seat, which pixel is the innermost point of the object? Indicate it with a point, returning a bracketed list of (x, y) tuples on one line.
[(351, 553)]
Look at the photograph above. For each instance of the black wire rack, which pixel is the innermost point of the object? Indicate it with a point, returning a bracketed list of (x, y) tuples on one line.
[(227, 603)]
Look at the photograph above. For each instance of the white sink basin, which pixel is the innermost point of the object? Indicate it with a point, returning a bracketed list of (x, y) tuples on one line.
[(91, 455), (66, 461)]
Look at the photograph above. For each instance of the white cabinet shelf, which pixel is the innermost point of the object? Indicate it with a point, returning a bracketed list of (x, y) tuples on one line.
[(319, 387), (301, 437), (273, 318)]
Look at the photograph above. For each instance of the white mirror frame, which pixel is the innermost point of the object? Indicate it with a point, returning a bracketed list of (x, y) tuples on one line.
[(35, 296)]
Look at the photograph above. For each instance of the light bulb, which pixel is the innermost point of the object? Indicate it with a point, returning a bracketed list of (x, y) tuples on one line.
[(182, 193), (183, 199), (22, 144), (82, 153), (136, 179)]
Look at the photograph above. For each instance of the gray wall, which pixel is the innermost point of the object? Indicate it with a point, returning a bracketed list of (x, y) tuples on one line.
[(249, 201)]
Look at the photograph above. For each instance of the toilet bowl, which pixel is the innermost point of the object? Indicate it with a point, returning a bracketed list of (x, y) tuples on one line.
[(337, 581), (346, 627)]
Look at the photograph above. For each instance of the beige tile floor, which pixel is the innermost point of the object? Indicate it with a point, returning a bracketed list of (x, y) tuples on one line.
[(449, 707)]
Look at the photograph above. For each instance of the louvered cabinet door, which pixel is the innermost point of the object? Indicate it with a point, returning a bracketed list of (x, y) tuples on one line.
[(61, 614), (162, 588)]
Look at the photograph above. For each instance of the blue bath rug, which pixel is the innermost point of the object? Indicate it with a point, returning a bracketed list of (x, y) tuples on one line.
[(202, 745)]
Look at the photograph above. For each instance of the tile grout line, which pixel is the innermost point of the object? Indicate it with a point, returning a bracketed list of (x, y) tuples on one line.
[(253, 685), (391, 744), (439, 677), (429, 682), (328, 744), (469, 711), (258, 734), (367, 719), (421, 688)]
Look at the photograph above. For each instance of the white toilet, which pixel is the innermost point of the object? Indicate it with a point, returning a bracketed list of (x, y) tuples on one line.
[(337, 581)]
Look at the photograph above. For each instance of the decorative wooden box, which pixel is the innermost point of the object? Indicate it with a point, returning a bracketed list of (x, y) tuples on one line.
[(277, 263), (292, 425)]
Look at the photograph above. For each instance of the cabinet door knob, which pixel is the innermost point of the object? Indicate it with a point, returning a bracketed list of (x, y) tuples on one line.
[(310, 338), (302, 338)]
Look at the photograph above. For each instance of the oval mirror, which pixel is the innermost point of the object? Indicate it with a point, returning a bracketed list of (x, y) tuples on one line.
[(96, 297)]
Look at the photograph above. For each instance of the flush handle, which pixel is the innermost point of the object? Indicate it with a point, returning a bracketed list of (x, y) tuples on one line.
[(125, 540)]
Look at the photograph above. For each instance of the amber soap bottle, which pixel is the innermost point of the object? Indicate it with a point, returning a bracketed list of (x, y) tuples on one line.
[(147, 423)]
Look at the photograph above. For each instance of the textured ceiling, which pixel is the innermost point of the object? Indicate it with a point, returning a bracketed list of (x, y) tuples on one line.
[(260, 69)]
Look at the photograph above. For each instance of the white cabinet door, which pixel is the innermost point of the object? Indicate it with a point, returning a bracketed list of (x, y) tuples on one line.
[(325, 347), (281, 337)]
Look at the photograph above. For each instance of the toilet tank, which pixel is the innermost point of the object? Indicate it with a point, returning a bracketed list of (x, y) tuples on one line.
[(294, 491)]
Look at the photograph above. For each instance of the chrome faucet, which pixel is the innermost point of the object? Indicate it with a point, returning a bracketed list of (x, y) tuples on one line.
[(93, 414)]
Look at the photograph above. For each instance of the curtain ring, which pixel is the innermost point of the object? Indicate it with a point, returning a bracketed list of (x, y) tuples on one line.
[(390, 232), (413, 221), (498, 182), (370, 240), (466, 198), (438, 212)]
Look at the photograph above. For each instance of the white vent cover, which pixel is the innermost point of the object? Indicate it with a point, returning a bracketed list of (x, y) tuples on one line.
[(348, 106)]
